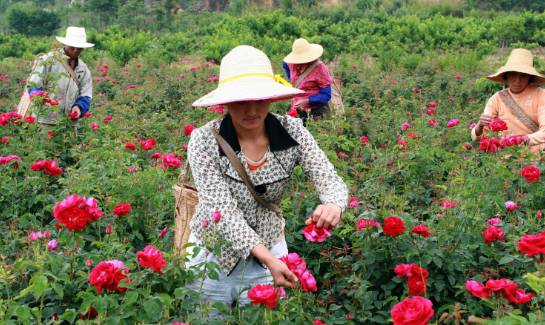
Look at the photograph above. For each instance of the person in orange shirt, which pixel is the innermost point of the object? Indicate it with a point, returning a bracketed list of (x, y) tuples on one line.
[(521, 106)]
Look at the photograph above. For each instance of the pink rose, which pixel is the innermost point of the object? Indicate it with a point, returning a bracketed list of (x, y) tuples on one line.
[(452, 123), (511, 206), (315, 234)]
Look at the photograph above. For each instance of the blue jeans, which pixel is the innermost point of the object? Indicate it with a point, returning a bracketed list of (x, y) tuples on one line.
[(233, 288)]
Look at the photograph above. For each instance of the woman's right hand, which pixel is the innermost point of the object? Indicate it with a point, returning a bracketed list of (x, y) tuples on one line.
[(282, 276), (484, 120)]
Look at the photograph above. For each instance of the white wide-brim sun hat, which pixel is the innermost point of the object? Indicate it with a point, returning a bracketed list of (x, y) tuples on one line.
[(520, 60), (75, 37), (304, 52), (246, 74)]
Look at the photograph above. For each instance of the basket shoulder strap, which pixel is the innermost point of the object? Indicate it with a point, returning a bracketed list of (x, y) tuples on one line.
[(68, 69), (305, 74), (519, 113), (185, 174), (233, 159)]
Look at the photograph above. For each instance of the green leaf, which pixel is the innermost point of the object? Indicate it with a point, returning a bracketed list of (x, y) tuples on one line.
[(69, 315), (39, 283), (23, 313), (131, 297), (153, 309), (506, 260)]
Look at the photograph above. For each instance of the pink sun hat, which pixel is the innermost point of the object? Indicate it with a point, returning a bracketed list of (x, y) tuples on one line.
[(246, 74)]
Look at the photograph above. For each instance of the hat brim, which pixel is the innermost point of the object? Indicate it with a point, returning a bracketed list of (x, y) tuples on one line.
[(314, 53), (81, 45), (498, 76), (244, 90)]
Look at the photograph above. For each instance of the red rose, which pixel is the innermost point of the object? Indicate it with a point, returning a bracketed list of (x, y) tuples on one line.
[(75, 212), (492, 234), (151, 258), (417, 285), (73, 115), (531, 173), (412, 311), (364, 139), (295, 263), (130, 146), (293, 112), (108, 275), (30, 119), (366, 223), (122, 209), (265, 294), (532, 244), (319, 322), (172, 160), (353, 202), (163, 232), (107, 119), (499, 285), (308, 282), (421, 230), (516, 295), (431, 111), (489, 145), (393, 226), (498, 125), (448, 204), (188, 129), (50, 167), (148, 144), (316, 234), (477, 289)]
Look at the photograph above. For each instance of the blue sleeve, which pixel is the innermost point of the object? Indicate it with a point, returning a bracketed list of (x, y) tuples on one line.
[(83, 102), (30, 90), (286, 70), (320, 98)]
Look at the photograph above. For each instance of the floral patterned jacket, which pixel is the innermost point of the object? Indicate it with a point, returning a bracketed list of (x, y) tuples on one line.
[(244, 223)]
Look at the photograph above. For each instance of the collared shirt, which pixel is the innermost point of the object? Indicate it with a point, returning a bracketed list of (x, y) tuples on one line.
[(532, 101), (244, 223), (66, 90)]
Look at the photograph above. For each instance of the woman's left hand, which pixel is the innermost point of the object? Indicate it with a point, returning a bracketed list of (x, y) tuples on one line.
[(325, 215)]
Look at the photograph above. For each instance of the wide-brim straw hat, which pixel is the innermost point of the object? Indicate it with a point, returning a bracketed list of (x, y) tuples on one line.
[(304, 52), (246, 74), (520, 60), (75, 37)]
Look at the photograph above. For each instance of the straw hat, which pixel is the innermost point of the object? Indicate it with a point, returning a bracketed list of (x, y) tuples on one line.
[(520, 60), (75, 37), (246, 74), (303, 52)]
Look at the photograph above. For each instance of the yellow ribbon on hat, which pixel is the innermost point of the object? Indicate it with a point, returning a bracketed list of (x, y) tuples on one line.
[(244, 75), (278, 78)]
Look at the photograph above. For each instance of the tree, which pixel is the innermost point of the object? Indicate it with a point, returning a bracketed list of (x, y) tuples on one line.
[(31, 20), (104, 9)]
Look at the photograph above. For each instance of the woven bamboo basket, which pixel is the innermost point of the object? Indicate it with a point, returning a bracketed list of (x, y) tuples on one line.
[(186, 203)]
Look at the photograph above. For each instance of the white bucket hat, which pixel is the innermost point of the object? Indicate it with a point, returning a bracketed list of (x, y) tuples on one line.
[(520, 60), (75, 37), (303, 52), (246, 74)]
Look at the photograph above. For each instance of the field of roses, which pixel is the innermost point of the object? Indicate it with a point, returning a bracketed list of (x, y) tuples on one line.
[(439, 230)]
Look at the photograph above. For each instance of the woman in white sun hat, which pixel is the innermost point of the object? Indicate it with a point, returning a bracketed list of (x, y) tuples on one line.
[(238, 208), (521, 105), (74, 89), (307, 72)]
